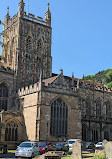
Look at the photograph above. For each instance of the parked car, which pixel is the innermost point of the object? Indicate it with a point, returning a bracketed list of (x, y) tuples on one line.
[(59, 146), (50, 147), (90, 145), (70, 143), (27, 149), (99, 145), (65, 147), (42, 147)]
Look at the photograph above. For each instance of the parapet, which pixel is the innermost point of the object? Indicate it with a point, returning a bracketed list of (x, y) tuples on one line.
[(33, 18), (28, 89), (95, 86), (28, 16)]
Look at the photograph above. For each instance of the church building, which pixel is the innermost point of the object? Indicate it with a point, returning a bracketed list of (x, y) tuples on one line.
[(38, 105)]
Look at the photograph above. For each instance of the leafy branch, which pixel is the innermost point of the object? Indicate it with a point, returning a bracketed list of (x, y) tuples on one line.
[(1, 22)]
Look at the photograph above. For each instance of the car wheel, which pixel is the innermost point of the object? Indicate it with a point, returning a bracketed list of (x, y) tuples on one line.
[(32, 156), (38, 153)]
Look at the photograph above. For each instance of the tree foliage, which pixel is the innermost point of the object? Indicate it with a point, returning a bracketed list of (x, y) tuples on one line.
[(104, 76)]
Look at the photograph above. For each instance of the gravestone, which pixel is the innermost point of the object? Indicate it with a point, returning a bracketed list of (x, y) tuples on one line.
[(48, 155), (108, 149), (77, 154)]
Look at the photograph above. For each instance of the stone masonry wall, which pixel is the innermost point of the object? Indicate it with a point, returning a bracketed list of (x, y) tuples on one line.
[(29, 115), (74, 116)]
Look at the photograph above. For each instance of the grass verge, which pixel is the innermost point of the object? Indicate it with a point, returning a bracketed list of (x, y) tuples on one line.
[(9, 151), (88, 156)]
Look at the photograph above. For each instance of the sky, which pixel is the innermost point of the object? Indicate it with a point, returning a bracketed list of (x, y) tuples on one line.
[(81, 33)]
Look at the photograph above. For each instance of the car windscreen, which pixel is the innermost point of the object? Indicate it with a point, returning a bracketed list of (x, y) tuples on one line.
[(71, 142), (42, 144), (26, 144), (99, 143)]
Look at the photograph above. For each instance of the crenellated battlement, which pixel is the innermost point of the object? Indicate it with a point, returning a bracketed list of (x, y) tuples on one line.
[(36, 87), (28, 89), (28, 16), (32, 17), (9, 21)]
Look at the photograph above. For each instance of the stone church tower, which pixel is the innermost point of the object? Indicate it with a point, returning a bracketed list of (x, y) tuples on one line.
[(76, 108), (28, 42)]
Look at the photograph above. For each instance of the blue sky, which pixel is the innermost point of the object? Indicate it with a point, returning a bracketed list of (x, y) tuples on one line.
[(81, 33)]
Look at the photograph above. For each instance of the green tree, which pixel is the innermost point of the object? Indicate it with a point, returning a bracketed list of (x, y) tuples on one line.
[(104, 76), (108, 77)]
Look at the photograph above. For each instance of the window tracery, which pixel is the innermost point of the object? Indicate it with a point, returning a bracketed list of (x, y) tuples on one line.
[(3, 96), (94, 135), (59, 118), (98, 108), (39, 46), (108, 109), (84, 132), (28, 44), (88, 107), (11, 131)]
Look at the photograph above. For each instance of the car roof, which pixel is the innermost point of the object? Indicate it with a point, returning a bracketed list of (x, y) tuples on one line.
[(29, 142), (74, 139)]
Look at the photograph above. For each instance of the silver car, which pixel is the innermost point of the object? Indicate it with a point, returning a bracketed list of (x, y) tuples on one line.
[(27, 149)]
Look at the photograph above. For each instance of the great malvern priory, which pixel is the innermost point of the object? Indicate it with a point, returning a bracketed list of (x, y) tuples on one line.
[(29, 90)]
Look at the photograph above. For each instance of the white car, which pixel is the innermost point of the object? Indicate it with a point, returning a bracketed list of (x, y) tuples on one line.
[(99, 145), (27, 149), (70, 143)]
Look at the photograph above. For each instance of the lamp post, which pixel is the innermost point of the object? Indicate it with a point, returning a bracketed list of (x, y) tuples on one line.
[(47, 121)]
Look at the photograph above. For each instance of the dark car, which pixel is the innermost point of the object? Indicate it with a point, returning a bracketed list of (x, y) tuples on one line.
[(65, 147), (50, 147), (90, 145), (59, 146)]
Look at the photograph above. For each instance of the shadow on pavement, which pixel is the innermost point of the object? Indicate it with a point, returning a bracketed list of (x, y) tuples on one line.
[(8, 155)]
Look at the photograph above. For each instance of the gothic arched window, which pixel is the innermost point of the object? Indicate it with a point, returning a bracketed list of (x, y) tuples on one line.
[(106, 135), (11, 131), (98, 108), (59, 118), (39, 46), (3, 96), (108, 109), (12, 50), (84, 132), (88, 107), (94, 135), (28, 44)]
